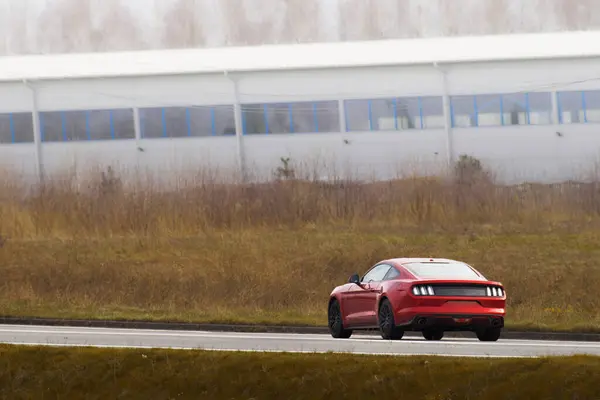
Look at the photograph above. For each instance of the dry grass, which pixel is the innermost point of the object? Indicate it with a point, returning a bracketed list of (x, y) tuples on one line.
[(281, 276), (52, 373), (272, 252), (101, 207)]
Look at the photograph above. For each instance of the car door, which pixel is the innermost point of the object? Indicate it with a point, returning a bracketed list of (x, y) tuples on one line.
[(360, 300), (373, 289)]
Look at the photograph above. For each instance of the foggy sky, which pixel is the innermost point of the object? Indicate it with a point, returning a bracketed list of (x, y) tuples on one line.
[(58, 26)]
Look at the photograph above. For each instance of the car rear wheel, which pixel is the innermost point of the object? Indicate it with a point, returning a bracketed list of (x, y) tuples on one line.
[(387, 324), (489, 335), (433, 334), (336, 326)]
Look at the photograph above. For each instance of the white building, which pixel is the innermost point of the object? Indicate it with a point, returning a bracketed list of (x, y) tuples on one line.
[(526, 105)]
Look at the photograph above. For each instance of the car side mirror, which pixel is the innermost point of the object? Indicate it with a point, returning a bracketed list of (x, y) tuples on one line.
[(354, 279)]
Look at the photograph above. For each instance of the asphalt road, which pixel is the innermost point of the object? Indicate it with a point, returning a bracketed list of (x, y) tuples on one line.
[(358, 344)]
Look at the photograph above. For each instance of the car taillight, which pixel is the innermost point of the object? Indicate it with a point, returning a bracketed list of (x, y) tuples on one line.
[(423, 290), (493, 291)]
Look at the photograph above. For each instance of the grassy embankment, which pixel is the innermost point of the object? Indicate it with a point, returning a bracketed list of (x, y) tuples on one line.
[(53, 373), (271, 254)]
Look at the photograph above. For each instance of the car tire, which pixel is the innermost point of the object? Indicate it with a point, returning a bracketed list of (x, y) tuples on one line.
[(386, 321), (489, 335), (433, 334), (336, 326)]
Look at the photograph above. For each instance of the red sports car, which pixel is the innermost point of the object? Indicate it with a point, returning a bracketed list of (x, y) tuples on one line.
[(418, 294)]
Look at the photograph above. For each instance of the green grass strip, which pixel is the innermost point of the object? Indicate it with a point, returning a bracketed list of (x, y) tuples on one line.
[(87, 373)]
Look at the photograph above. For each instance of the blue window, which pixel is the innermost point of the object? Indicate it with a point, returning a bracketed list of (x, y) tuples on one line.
[(173, 122), (52, 126), (6, 132), (203, 121), (60, 126), (358, 115), (394, 113), (281, 118), (501, 109), (489, 109), (278, 118), (432, 112), (192, 121), (514, 109), (222, 120), (592, 105), (326, 116), (408, 113), (151, 123), (109, 124), (16, 128), (253, 119), (539, 107), (320, 116), (570, 107), (579, 106), (463, 111)]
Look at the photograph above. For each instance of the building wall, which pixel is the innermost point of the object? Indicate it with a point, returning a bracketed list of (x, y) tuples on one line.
[(539, 156), (50, 26), (528, 121)]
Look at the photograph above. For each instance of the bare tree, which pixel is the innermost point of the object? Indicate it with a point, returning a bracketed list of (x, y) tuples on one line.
[(300, 21), (184, 25), (118, 29), (66, 26), (359, 19), (52, 26), (15, 28), (578, 15)]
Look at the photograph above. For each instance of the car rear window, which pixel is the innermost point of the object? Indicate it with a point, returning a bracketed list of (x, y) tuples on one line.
[(443, 270)]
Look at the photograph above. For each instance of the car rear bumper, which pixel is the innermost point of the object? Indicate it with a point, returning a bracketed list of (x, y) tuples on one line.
[(454, 322), (459, 316)]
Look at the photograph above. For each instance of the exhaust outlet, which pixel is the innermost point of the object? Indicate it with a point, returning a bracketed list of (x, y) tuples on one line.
[(421, 321), (495, 323)]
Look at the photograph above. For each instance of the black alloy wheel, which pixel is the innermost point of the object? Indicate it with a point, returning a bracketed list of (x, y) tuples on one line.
[(336, 327), (387, 325)]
